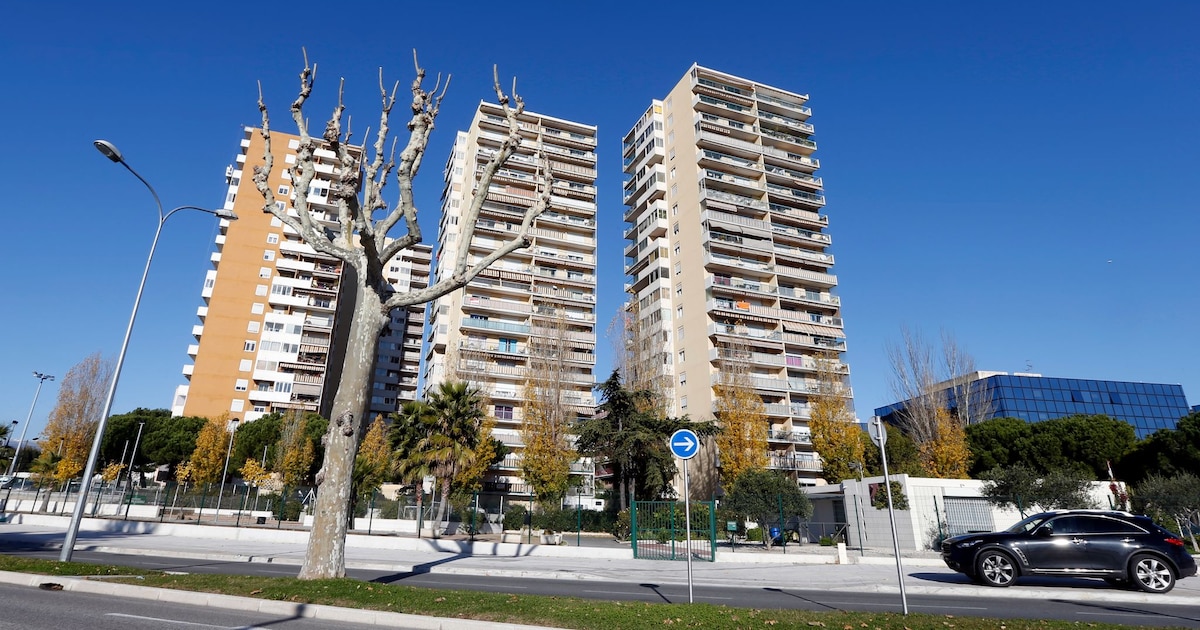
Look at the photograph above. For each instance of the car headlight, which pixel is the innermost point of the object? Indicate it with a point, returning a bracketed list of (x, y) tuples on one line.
[(967, 544)]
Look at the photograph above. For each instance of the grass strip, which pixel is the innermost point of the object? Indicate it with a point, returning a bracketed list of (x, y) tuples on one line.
[(540, 610)]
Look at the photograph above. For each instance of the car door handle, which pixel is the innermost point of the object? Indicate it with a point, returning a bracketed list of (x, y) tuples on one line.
[(1126, 540)]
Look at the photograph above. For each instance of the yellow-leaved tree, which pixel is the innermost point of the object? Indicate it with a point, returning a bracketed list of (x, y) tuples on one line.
[(947, 456), (254, 473), (741, 414), (208, 458), (295, 450), (72, 422), (835, 435), (546, 460)]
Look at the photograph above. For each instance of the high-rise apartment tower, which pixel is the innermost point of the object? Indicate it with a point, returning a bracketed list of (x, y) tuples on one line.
[(268, 338), (727, 252), (535, 307)]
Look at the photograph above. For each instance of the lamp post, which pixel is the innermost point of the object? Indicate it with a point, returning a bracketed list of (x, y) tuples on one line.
[(228, 452), (42, 378), (110, 151), (133, 455)]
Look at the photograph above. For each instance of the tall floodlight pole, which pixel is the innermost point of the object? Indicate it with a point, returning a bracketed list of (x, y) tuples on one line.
[(228, 452), (132, 456), (42, 378), (110, 151)]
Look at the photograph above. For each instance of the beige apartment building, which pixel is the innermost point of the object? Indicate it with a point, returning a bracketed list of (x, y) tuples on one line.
[(268, 337), (535, 307), (728, 254)]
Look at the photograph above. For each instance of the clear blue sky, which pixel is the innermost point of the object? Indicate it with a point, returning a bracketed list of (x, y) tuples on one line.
[(983, 162)]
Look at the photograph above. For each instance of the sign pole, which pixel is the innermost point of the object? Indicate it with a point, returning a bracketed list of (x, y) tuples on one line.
[(684, 444), (687, 526), (879, 435)]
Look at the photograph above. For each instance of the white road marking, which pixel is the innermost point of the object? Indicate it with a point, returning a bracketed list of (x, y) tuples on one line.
[(183, 623)]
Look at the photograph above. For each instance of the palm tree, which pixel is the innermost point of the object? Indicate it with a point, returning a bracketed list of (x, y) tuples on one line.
[(456, 411), (409, 425)]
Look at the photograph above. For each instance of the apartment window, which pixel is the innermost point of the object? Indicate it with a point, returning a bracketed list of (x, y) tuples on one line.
[(259, 409), (264, 272), (274, 326), (283, 387), (671, 155), (249, 345), (679, 333), (682, 356), (275, 222), (256, 308), (679, 290), (237, 405), (671, 136), (504, 412), (682, 378), (675, 228), (269, 366), (672, 172), (241, 384), (263, 386), (677, 250), (679, 312), (272, 238), (683, 402), (508, 345), (675, 210), (244, 365), (252, 327), (289, 158), (260, 290), (268, 254), (678, 268), (674, 190), (283, 190), (281, 289), (279, 205), (209, 282)]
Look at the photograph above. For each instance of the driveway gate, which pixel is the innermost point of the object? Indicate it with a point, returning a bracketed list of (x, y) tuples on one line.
[(657, 530)]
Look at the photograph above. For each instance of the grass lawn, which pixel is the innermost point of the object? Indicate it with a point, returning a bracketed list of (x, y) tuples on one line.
[(562, 612)]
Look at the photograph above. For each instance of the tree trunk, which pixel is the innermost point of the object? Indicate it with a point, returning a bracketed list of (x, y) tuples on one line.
[(326, 553), (444, 511)]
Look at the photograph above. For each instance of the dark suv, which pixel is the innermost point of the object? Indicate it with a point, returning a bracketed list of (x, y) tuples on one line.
[(1119, 547)]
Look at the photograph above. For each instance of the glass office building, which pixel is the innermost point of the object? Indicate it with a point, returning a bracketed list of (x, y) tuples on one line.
[(1033, 398)]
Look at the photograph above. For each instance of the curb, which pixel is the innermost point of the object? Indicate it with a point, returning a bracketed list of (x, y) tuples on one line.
[(250, 604)]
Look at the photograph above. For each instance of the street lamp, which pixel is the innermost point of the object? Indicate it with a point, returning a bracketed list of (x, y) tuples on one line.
[(42, 378), (228, 452), (110, 151)]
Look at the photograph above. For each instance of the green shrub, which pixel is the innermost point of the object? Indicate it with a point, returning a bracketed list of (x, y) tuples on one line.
[(826, 541), (621, 525), (754, 534), (514, 517)]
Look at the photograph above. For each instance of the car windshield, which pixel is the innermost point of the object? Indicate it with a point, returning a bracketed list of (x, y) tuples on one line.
[(1028, 524)]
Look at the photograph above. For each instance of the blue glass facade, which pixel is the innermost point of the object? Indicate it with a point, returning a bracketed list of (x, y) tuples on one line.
[(1147, 406)]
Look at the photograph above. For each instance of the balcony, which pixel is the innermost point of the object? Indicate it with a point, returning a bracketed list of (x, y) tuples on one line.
[(808, 235), (793, 123), (789, 105), (800, 195), (790, 437), (473, 322), (804, 143), (737, 200), (794, 462)]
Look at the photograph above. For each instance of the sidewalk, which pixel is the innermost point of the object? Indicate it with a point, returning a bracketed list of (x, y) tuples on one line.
[(600, 559)]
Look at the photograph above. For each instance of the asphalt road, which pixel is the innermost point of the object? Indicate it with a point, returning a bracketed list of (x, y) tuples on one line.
[(990, 602), (27, 608)]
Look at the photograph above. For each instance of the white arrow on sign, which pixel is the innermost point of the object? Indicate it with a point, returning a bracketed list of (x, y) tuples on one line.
[(687, 443)]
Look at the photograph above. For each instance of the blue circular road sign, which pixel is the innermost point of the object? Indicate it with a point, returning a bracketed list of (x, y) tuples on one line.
[(684, 444)]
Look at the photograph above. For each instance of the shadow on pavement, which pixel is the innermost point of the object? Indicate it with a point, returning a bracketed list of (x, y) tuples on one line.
[(418, 569)]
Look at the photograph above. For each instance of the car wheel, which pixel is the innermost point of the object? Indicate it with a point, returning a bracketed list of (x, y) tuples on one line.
[(995, 568), (1151, 574)]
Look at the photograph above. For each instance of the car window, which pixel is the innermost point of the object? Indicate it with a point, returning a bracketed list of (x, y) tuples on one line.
[(1028, 524), (1064, 525), (1105, 525)]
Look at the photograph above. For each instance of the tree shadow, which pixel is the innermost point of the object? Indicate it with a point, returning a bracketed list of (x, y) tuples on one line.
[(1131, 610)]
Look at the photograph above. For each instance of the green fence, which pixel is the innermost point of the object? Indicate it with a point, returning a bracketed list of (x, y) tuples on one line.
[(657, 530)]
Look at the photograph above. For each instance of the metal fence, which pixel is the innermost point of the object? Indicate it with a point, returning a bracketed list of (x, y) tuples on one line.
[(657, 530)]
